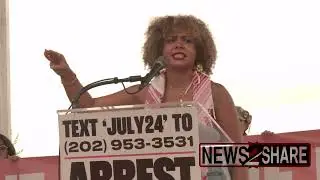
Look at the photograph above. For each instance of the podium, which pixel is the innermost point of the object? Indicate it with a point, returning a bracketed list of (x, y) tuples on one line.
[(140, 142)]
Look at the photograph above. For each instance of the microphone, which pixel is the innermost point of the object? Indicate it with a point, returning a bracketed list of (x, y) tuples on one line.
[(155, 70)]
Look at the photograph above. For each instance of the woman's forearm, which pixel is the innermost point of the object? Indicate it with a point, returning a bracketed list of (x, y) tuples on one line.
[(72, 87)]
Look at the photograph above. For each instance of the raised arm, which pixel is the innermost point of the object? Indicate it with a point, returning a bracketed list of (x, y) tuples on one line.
[(72, 86)]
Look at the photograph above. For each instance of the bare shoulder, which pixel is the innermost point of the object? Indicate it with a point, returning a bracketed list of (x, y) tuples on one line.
[(220, 92), (222, 98), (123, 97), (217, 86)]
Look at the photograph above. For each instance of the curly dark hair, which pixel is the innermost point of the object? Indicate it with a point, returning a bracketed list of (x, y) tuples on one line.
[(159, 29), (7, 142), (244, 115)]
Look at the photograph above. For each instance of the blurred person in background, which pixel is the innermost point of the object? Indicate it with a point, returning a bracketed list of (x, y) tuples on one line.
[(245, 119), (7, 150)]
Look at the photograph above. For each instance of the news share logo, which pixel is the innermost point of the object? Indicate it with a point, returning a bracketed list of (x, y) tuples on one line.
[(255, 155), (255, 151)]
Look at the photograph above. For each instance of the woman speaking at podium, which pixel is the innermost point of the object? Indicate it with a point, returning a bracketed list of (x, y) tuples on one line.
[(190, 53)]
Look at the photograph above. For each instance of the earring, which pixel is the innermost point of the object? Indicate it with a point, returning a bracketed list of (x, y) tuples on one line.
[(199, 67)]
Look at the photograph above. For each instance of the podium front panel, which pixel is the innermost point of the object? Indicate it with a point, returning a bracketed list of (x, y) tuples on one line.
[(130, 142)]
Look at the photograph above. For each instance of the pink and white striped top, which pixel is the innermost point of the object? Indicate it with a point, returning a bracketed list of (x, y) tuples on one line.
[(202, 93)]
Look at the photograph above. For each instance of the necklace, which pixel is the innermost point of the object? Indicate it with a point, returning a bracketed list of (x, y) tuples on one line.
[(184, 92)]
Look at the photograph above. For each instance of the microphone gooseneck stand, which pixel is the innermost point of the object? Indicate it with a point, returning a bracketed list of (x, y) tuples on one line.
[(144, 81), (75, 101)]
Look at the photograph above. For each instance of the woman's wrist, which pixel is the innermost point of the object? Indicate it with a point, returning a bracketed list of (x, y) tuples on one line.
[(69, 78)]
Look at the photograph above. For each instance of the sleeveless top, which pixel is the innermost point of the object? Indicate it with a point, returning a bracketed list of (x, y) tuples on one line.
[(202, 93)]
